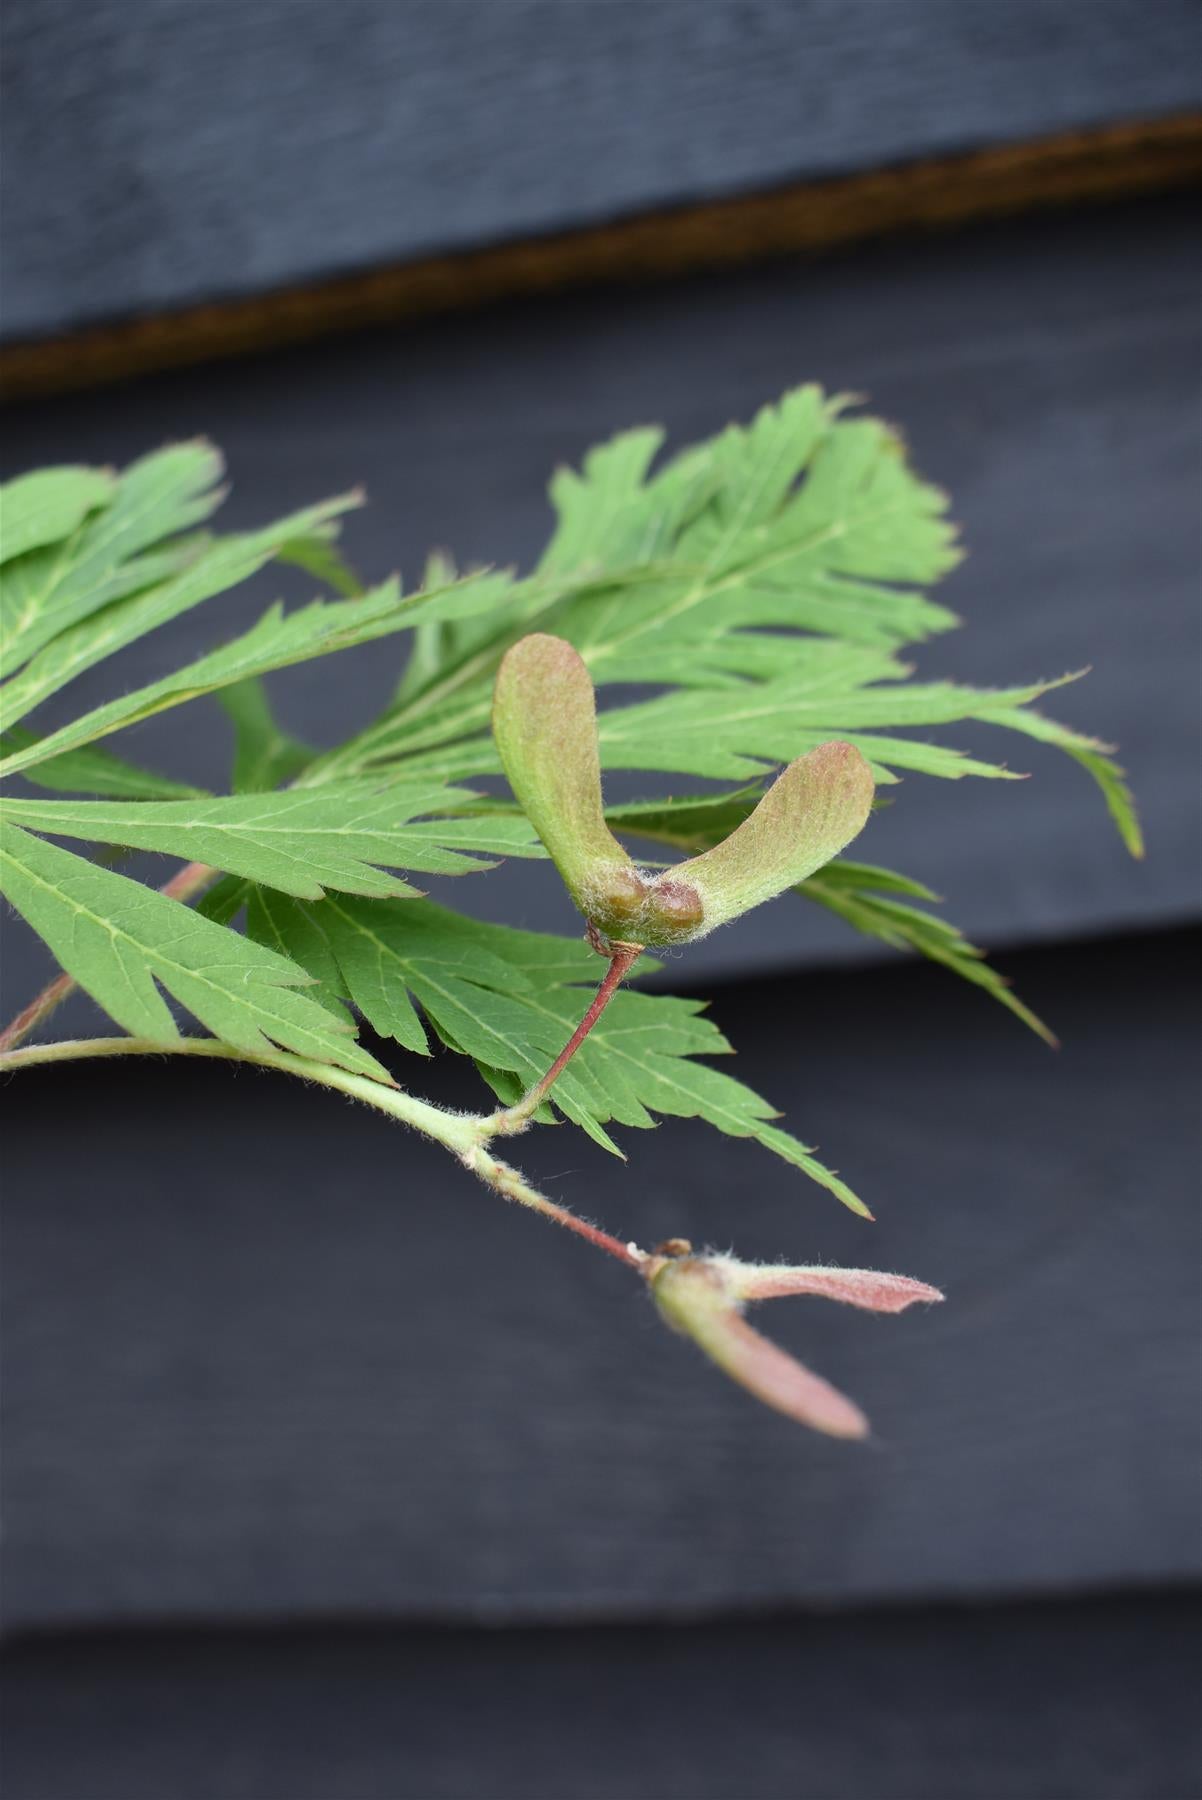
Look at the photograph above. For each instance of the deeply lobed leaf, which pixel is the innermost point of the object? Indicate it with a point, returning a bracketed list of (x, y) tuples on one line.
[(765, 582), (90, 641), (121, 941), (300, 841), (48, 505), (75, 564), (510, 999)]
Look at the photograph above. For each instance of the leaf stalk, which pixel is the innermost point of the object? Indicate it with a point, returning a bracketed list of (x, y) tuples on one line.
[(511, 1119)]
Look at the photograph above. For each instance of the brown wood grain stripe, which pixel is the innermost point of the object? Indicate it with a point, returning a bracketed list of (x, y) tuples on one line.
[(807, 217)]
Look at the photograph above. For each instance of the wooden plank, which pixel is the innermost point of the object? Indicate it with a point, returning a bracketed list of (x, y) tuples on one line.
[(808, 217), (160, 154), (1041, 369), (971, 1702), (267, 1357)]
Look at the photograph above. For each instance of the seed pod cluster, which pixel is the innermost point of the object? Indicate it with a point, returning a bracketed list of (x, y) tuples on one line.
[(545, 726)]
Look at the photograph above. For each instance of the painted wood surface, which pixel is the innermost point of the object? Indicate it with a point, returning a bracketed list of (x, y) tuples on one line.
[(1042, 373), (347, 1382), (159, 153)]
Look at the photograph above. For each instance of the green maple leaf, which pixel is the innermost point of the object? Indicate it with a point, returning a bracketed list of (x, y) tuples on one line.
[(122, 941), (301, 840), (509, 999)]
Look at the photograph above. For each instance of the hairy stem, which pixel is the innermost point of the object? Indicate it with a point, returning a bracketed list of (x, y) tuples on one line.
[(465, 1135), (184, 884), (514, 1186), (622, 959)]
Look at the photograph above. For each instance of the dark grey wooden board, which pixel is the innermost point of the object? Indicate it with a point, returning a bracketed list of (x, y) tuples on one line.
[(158, 153), (1045, 372), (1080, 1701), (267, 1356)]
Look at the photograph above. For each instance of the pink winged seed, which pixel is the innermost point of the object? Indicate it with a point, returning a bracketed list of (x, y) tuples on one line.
[(780, 1381), (867, 1288), (703, 1296)]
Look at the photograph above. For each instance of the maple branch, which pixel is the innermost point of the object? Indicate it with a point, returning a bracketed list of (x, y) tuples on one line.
[(465, 1135), (507, 1181)]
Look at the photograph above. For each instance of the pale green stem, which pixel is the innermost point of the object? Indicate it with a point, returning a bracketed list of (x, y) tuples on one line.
[(464, 1134), (450, 1129)]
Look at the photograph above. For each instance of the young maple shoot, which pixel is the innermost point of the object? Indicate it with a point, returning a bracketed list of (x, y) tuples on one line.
[(760, 586)]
